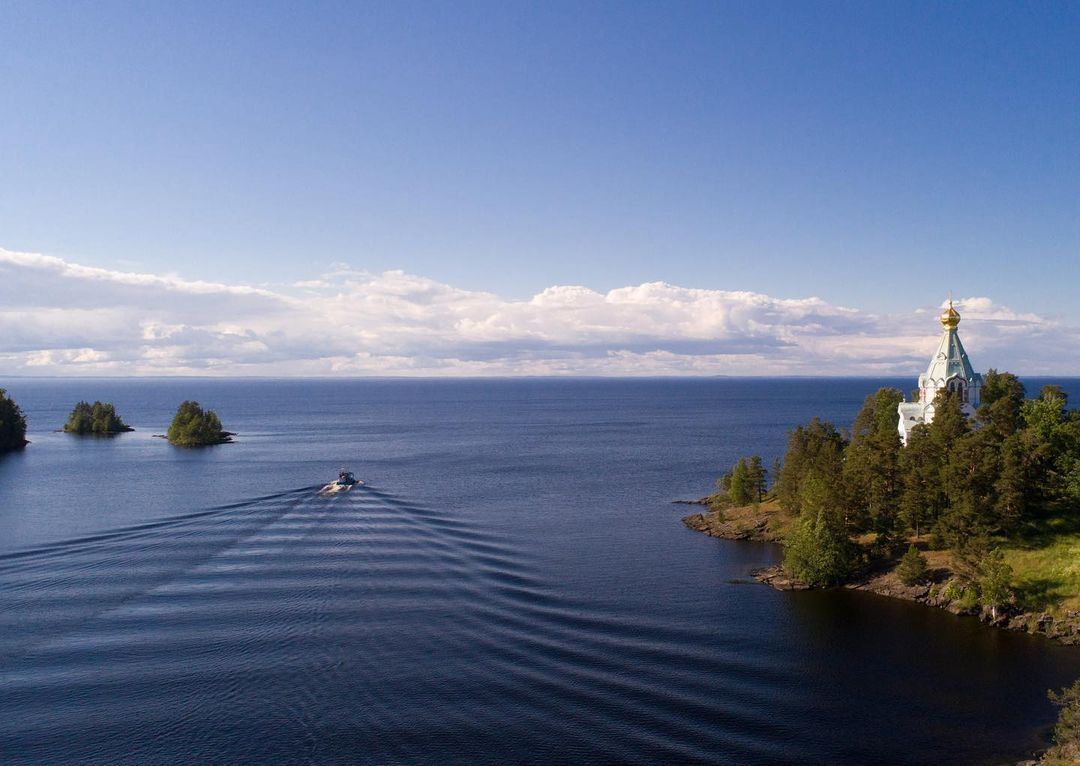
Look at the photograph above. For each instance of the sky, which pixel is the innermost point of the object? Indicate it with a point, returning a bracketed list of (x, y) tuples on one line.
[(506, 188)]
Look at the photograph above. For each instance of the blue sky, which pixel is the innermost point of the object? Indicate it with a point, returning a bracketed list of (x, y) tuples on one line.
[(873, 155)]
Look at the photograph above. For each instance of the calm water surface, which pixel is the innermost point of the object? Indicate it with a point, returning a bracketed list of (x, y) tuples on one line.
[(512, 586)]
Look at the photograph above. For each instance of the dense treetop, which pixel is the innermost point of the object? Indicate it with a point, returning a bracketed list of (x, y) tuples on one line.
[(194, 427), (12, 424), (98, 418)]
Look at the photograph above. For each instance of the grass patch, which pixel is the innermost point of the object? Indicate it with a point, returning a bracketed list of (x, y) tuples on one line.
[(1046, 564), (743, 518)]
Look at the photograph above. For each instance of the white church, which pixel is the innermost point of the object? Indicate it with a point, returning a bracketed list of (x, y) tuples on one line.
[(949, 369)]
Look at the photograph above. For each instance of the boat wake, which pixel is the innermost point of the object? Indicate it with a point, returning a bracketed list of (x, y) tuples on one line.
[(367, 629)]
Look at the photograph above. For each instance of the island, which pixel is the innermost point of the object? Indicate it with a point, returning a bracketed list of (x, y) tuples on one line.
[(12, 424), (97, 419), (192, 426)]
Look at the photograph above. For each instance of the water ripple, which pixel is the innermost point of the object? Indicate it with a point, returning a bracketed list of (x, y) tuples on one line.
[(358, 628)]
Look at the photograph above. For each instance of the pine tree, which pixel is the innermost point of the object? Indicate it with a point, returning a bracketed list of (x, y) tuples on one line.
[(949, 422), (872, 463), (1012, 487), (912, 569), (971, 471), (922, 498), (818, 550), (741, 491), (1002, 401), (816, 447), (757, 477)]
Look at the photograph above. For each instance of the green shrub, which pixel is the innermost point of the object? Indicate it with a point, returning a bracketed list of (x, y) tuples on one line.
[(952, 591), (969, 599)]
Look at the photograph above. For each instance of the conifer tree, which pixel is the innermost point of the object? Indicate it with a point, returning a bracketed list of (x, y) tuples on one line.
[(872, 472), (818, 550), (741, 491), (912, 569), (971, 471), (922, 498), (1002, 400), (816, 447), (1012, 488), (757, 478)]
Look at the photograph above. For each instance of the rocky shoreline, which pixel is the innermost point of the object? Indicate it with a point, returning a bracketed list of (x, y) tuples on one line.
[(765, 525)]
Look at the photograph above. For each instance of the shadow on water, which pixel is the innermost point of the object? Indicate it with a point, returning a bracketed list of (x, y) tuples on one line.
[(934, 667)]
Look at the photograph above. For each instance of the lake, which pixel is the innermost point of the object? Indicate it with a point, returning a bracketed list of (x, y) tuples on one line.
[(512, 585)]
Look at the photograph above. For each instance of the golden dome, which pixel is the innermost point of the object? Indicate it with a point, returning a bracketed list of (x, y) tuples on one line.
[(950, 318)]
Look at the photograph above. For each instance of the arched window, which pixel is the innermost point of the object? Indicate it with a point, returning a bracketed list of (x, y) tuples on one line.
[(957, 386)]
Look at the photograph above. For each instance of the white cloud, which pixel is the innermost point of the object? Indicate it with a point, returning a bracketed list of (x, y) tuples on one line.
[(58, 317)]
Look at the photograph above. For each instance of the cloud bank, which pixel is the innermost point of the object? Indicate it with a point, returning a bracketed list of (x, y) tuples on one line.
[(62, 318)]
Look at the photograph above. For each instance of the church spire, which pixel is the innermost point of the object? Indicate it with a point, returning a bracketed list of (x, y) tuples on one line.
[(950, 370)]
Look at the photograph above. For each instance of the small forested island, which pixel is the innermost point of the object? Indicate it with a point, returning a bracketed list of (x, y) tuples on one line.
[(12, 424), (192, 426), (99, 419)]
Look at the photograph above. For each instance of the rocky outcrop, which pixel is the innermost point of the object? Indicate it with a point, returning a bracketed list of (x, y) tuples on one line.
[(714, 525), (776, 577), (762, 522), (1064, 627)]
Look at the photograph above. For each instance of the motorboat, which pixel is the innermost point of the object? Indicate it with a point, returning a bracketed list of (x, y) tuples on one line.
[(344, 482)]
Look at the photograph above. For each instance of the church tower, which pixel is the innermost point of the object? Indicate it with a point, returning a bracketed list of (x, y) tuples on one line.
[(949, 369)]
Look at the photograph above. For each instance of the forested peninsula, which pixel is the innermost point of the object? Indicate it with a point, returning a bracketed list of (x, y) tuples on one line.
[(975, 515)]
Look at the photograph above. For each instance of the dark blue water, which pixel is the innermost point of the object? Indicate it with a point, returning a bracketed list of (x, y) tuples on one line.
[(513, 585)]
